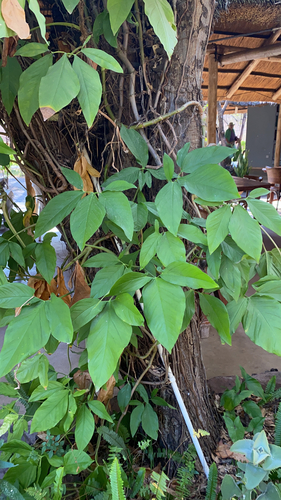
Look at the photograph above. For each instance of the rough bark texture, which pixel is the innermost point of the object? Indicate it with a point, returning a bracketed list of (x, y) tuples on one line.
[(47, 146)]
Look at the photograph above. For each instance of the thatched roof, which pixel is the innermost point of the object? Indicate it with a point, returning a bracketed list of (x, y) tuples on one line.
[(257, 19)]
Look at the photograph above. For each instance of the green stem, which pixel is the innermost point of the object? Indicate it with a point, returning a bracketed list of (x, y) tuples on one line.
[(10, 225), (69, 25), (106, 105), (22, 230), (271, 239), (168, 115), (74, 260)]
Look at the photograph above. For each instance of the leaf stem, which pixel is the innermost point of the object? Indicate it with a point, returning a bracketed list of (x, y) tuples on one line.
[(271, 239)]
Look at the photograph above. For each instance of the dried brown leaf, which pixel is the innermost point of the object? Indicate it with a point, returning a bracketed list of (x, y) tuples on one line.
[(223, 451), (47, 112), (40, 286), (81, 288), (82, 379), (105, 395), (14, 17)]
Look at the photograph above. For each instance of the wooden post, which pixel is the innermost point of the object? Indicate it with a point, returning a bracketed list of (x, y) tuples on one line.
[(252, 54), (212, 98), (278, 141)]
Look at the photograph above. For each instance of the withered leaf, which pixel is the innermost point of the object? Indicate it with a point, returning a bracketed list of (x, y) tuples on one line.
[(84, 169), (40, 286), (81, 288), (105, 395), (14, 17), (82, 379), (47, 112)]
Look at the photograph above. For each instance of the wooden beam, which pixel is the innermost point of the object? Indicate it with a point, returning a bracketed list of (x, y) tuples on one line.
[(278, 141), (249, 55), (277, 94), (212, 98), (251, 66)]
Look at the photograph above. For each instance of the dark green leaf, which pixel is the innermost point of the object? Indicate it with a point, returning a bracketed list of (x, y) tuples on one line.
[(169, 206), (58, 315), (124, 396), (84, 428), (184, 274), (170, 249), (135, 419), (164, 306), (102, 260), (150, 422), (236, 311), (46, 260), (217, 314), (29, 86), (136, 144), (90, 93), (129, 282), (189, 309), (26, 334), (192, 233), (75, 461), (16, 253), (246, 232), (56, 210), (72, 177), (32, 49), (10, 83), (217, 227), (86, 219), (149, 248), (118, 210), (231, 276), (103, 59), (105, 279), (108, 336)]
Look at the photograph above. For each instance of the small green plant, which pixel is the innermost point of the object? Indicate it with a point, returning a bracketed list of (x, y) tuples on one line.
[(53, 445), (211, 492), (254, 478), (241, 395), (186, 472), (242, 167)]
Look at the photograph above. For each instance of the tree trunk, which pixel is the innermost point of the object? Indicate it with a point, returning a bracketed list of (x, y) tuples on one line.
[(46, 146), (221, 126)]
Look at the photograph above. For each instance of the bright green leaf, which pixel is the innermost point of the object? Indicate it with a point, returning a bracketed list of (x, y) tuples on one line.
[(90, 93), (14, 294), (136, 144), (204, 156), (57, 209), (125, 308), (99, 409), (149, 248), (58, 315), (86, 219), (169, 206), (46, 260), (246, 232), (129, 282), (84, 311), (263, 315), (217, 314), (118, 210), (161, 17), (218, 184), (184, 274), (192, 233), (72, 177), (217, 227), (170, 249), (103, 59), (84, 428), (104, 280), (266, 214), (118, 12), (50, 412), (32, 49)]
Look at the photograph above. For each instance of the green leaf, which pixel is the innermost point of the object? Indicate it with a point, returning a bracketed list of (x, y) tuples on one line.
[(84, 311), (5, 149), (124, 396), (170, 249), (136, 144), (164, 306), (10, 491), (105, 279), (4, 254), (135, 419), (236, 311), (204, 156), (103, 59), (214, 262), (253, 476), (169, 206), (99, 409), (4, 160), (235, 428), (84, 428), (218, 184), (161, 17), (189, 309), (231, 250), (246, 232), (129, 283), (168, 166), (231, 277), (102, 260), (72, 177), (32, 49), (108, 336), (75, 461), (263, 315), (217, 314), (116, 481), (118, 210), (119, 186), (51, 412), (273, 461), (35, 8), (217, 227), (181, 154), (86, 219), (149, 248), (10, 83), (7, 390), (229, 488), (70, 5), (256, 193), (58, 315), (184, 274), (192, 233), (252, 409), (90, 93), (266, 214), (31, 368), (29, 83), (118, 12), (46, 260), (26, 334), (40, 393), (59, 86), (16, 253), (150, 422), (270, 289), (129, 174), (126, 310), (56, 210), (140, 214)]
